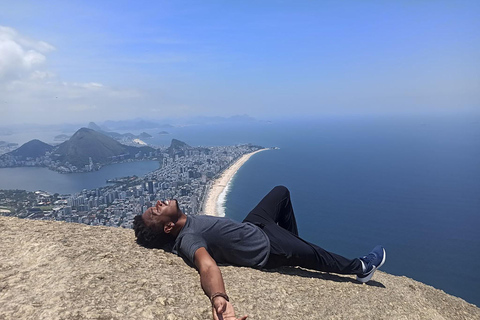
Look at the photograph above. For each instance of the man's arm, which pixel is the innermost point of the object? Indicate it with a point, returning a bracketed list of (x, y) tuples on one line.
[(212, 283)]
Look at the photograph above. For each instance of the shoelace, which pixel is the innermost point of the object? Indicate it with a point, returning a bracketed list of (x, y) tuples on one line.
[(369, 258)]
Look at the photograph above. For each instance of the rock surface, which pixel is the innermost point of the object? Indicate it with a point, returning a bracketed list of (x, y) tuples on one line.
[(57, 270)]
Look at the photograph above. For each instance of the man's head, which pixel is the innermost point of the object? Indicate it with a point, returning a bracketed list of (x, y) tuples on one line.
[(153, 228)]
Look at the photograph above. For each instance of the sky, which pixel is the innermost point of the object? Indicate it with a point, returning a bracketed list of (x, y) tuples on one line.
[(78, 61)]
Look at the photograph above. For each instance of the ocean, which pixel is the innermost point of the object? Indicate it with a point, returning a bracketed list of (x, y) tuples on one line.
[(410, 183)]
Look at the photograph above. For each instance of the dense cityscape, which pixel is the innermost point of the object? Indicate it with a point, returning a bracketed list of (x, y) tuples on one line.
[(185, 173)]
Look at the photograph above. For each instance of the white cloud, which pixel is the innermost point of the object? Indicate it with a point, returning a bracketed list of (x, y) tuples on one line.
[(11, 34), (20, 56), (93, 85), (31, 93), (41, 75), (47, 100)]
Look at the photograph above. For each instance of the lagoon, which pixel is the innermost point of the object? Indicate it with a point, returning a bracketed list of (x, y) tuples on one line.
[(33, 178)]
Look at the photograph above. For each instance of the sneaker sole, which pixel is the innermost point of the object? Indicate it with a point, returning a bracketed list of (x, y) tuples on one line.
[(370, 275)]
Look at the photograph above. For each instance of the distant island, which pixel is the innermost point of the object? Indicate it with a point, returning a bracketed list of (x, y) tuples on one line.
[(163, 133), (124, 137)]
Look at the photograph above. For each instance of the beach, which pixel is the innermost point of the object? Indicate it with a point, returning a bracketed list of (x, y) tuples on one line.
[(217, 193)]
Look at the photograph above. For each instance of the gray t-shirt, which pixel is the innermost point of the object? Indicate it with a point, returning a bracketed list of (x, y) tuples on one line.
[(227, 241)]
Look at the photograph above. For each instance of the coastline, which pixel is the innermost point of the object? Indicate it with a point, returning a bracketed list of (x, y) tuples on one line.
[(216, 195)]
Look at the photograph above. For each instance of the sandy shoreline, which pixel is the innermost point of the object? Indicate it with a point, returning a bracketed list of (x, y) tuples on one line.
[(220, 185)]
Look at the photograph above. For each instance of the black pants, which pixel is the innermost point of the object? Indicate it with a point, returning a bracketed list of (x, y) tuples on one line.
[(274, 214)]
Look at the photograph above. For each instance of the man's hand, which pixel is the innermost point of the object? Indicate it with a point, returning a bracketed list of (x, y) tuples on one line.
[(222, 309), (212, 282)]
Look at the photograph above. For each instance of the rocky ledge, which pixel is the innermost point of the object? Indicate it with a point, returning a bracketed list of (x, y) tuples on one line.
[(57, 270)]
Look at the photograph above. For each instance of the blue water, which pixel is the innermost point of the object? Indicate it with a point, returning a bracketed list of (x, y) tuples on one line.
[(411, 184), (33, 179)]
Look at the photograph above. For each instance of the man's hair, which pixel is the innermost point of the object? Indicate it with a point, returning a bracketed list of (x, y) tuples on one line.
[(149, 238)]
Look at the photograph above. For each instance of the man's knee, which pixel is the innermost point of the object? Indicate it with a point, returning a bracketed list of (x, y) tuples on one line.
[(281, 190)]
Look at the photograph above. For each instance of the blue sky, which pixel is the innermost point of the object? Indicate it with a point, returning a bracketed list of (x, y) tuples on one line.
[(98, 60)]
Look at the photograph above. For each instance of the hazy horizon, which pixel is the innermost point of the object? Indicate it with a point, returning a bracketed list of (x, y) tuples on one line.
[(96, 61)]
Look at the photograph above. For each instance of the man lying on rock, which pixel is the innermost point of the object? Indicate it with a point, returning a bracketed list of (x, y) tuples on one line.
[(267, 238)]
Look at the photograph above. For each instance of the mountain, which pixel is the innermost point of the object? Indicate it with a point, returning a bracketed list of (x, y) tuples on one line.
[(32, 149), (177, 147), (87, 143), (176, 144), (94, 126), (144, 135), (114, 135), (117, 136)]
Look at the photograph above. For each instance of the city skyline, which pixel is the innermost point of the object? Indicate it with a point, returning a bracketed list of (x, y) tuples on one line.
[(186, 174), (95, 61)]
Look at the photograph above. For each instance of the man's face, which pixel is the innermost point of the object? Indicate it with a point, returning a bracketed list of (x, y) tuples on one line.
[(164, 213)]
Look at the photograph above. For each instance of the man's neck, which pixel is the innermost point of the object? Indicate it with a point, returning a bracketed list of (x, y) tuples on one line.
[(179, 225)]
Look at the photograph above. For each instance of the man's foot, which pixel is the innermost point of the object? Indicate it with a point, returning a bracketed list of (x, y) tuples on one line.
[(372, 262)]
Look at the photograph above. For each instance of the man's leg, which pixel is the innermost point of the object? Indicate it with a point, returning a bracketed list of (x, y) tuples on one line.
[(275, 207), (286, 249), (274, 214)]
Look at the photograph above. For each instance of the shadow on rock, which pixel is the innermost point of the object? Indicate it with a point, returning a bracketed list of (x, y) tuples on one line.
[(296, 271)]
